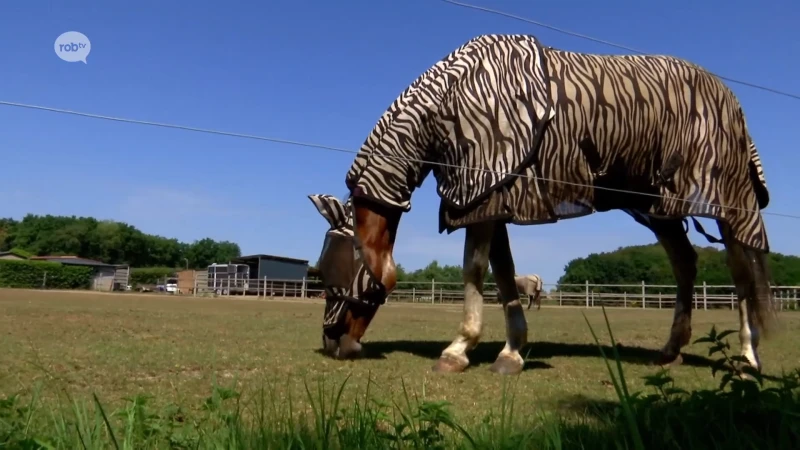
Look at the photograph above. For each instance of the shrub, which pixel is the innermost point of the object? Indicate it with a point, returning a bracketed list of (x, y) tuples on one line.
[(150, 275), (38, 274)]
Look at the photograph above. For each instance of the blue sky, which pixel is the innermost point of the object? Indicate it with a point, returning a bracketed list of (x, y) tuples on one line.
[(323, 72)]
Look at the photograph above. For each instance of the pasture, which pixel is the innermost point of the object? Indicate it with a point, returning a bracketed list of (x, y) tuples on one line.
[(174, 348)]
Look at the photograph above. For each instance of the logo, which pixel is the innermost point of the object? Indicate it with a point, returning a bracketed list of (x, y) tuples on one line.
[(73, 46)]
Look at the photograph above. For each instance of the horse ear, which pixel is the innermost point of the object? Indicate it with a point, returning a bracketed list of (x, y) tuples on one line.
[(331, 209)]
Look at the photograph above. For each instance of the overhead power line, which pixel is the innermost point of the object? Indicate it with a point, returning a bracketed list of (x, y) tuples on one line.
[(344, 150), (611, 44)]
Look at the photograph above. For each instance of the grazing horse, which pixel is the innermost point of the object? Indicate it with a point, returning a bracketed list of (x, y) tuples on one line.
[(530, 285), (518, 133)]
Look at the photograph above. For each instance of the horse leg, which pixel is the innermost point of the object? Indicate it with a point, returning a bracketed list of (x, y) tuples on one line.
[(509, 361), (749, 272), (476, 262), (683, 259)]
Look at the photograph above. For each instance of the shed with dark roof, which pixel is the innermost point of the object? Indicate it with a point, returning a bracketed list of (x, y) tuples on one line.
[(107, 277), (274, 267)]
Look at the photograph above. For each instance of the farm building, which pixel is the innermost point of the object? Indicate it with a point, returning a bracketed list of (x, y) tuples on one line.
[(107, 277), (12, 255), (274, 267)]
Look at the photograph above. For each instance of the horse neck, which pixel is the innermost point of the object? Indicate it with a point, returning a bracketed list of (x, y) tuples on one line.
[(376, 228)]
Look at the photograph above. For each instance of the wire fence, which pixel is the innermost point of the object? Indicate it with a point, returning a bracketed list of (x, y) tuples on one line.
[(586, 295)]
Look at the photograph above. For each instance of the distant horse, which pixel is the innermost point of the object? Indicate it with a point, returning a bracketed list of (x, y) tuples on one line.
[(530, 285)]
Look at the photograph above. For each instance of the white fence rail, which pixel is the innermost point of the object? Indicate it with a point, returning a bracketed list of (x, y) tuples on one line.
[(587, 295)]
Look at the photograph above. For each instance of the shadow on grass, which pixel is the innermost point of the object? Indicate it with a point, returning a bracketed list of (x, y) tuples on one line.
[(486, 352)]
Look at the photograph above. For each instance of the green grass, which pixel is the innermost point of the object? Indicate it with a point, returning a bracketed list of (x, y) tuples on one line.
[(151, 361)]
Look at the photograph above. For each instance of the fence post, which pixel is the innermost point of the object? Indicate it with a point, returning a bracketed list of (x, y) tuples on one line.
[(433, 290), (644, 298), (194, 282), (414, 295), (587, 292), (659, 300), (303, 289), (625, 299), (732, 308), (705, 295), (560, 301)]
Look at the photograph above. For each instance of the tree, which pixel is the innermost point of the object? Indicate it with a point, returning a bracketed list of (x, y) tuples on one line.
[(108, 241), (207, 251), (649, 263)]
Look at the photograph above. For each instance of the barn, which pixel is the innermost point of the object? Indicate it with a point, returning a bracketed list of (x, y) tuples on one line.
[(274, 267), (107, 277), (13, 256)]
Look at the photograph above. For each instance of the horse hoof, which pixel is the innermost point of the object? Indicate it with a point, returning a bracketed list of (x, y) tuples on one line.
[(739, 366), (665, 359), (507, 365), (447, 364)]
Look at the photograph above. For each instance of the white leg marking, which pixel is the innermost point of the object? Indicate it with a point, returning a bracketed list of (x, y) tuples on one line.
[(476, 263), (748, 337)]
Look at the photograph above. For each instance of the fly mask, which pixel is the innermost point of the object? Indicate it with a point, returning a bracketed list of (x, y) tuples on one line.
[(348, 280)]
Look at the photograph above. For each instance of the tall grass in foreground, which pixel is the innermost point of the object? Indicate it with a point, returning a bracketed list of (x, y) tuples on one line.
[(741, 413)]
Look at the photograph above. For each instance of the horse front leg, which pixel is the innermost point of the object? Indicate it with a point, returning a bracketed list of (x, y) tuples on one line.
[(509, 361), (683, 259), (477, 243)]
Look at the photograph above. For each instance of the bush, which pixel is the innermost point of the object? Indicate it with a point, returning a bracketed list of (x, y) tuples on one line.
[(150, 275), (38, 274)]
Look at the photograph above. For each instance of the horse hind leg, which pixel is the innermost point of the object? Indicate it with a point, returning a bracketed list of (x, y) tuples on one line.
[(756, 314), (683, 259), (509, 361), (477, 243)]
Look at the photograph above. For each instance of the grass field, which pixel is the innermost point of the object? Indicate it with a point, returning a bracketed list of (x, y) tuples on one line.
[(173, 348)]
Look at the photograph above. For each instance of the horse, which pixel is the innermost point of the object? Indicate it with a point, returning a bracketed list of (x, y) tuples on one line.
[(517, 133)]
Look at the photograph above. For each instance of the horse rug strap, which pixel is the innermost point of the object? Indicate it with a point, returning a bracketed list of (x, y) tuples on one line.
[(699, 228)]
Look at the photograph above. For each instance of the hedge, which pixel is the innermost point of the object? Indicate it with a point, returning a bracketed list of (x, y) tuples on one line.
[(31, 274), (150, 275)]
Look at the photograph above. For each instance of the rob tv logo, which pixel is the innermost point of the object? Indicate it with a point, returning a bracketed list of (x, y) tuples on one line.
[(73, 46)]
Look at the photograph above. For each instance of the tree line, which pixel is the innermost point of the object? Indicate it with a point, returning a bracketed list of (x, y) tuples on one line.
[(649, 263), (626, 265), (108, 241)]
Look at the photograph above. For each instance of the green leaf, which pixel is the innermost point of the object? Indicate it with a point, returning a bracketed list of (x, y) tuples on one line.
[(725, 334)]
